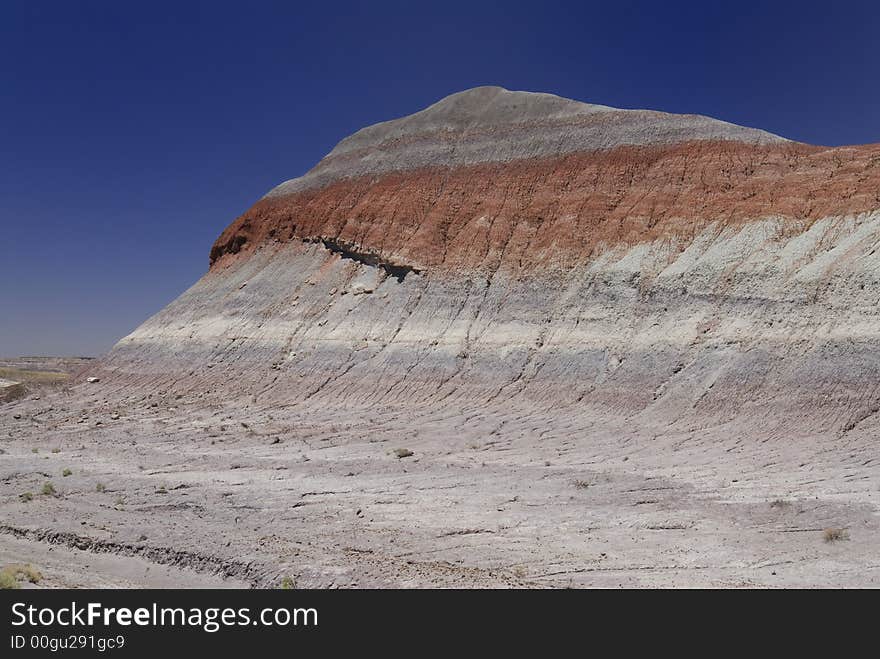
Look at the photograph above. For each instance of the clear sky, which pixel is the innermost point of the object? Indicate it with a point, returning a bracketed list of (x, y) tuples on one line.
[(132, 133)]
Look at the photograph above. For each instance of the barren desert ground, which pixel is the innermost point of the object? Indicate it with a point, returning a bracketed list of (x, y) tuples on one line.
[(181, 493)]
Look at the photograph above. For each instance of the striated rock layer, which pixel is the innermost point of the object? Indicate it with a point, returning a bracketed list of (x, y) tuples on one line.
[(515, 248)]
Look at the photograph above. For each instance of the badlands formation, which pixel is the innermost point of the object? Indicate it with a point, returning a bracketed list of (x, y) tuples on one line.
[(511, 339)]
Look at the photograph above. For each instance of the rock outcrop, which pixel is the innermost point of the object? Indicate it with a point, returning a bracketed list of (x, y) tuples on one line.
[(507, 246), (10, 390)]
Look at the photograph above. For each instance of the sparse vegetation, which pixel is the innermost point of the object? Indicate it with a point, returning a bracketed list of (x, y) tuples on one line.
[(35, 450), (835, 534), (66, 472), (48, 489), (402, 452), (99, 487), (26, 496), (56, 450), (30, 376), (582, 485), (12, 575), (28, 571), (287, 583), (119, 501), (780, 503)]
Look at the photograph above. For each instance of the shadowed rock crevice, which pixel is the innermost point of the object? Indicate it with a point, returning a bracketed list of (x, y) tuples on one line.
[(231, 246), (352, 252)]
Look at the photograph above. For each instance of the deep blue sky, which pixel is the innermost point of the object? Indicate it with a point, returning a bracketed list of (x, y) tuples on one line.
[(132, 133)]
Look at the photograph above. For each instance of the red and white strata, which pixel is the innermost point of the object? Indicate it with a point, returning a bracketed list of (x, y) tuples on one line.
[(502, 245)]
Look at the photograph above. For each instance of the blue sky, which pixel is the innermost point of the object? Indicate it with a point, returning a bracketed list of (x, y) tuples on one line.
[(132, 133)]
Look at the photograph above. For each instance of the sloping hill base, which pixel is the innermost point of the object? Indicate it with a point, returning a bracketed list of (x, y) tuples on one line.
[(757, 326)]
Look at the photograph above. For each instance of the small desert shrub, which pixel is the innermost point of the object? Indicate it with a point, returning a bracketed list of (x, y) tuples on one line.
[(48, 489), (35, 450), (100, 487), (288, 583), (780, 503), (402, 452), (835, 534), (11, 575), (56, 450), (26, 496), (119, 501), (582, 485), (66, 473), (26, 571)]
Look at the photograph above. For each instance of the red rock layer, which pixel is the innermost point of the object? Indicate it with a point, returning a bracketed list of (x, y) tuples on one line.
[(555, 212)]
